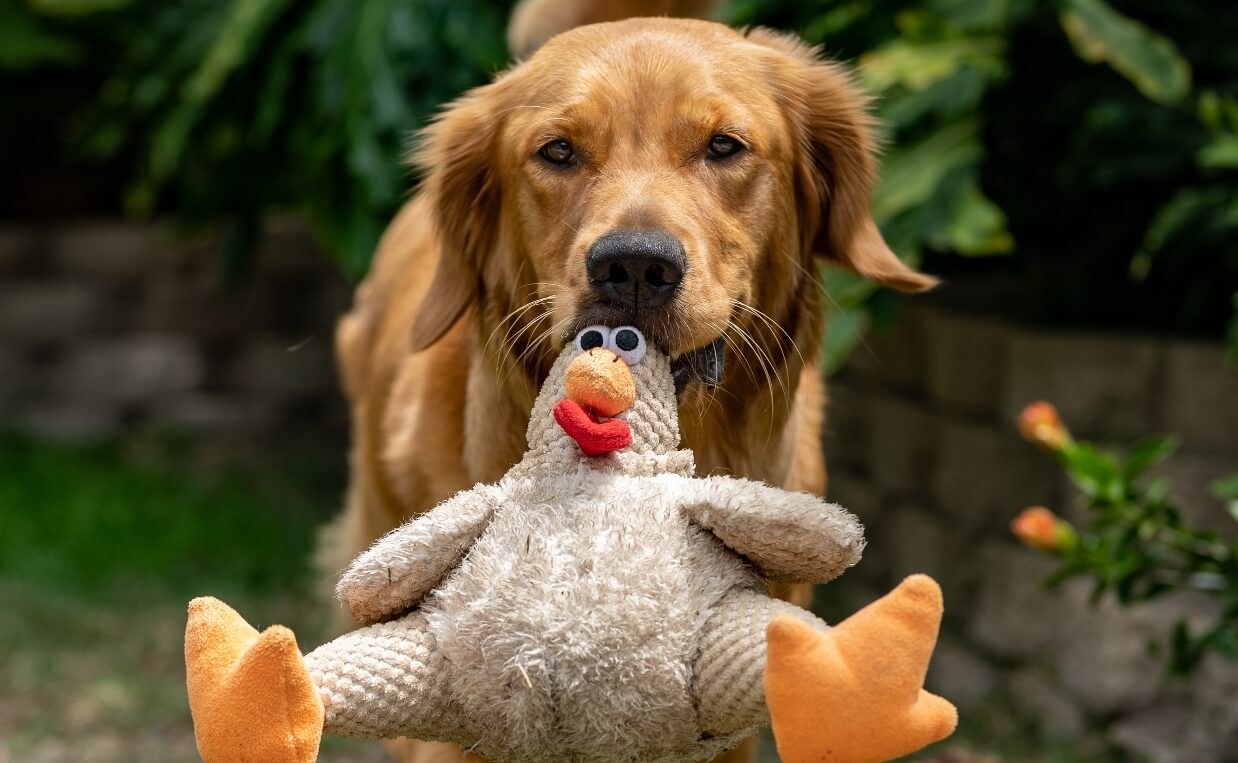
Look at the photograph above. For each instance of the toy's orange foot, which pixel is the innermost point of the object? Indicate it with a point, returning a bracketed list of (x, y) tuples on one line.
[(251, 696), (854, 694)]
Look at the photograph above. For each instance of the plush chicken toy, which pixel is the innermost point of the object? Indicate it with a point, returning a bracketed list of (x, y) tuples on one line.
[(599, 603)]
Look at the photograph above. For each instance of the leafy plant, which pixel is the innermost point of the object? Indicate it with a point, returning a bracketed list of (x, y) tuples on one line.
[(1086, 140), (1136, 544), (231, 108), (25, 43)]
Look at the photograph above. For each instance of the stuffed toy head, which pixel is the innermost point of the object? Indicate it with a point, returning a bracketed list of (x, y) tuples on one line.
[(598, 604), (610, 399)]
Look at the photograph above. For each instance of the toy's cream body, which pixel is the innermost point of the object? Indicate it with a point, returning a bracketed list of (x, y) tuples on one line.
[(599, 604), (593, 614)]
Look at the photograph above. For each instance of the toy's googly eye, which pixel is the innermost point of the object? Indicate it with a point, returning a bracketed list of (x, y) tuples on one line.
[(593, 336), (628, 343)]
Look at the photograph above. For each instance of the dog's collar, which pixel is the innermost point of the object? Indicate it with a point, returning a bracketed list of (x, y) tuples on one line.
[(705, 364)]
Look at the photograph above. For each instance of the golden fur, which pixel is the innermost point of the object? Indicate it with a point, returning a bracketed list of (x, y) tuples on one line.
[(533, 22), (481, 276)]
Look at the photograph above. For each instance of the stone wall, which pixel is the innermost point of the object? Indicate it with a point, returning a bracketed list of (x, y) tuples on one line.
[(110, 328), (922, 444)]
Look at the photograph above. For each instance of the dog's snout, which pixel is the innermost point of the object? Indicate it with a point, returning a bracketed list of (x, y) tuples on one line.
[(636, 269)]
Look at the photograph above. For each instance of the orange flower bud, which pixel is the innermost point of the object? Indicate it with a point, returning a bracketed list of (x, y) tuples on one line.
[(1040, 424), (1041, 529)]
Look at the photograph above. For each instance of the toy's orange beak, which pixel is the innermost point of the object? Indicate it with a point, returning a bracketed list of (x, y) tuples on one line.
[(601, 382), (599, 385)]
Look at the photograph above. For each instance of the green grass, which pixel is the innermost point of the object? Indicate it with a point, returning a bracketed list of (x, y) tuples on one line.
[(90, 520), (100, 550)]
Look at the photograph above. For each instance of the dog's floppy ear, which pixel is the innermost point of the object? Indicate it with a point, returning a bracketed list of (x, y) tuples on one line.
[(837, 169), (455, 152)]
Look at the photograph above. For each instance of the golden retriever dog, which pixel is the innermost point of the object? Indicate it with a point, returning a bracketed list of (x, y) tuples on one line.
[(533, 22), (672, 174)]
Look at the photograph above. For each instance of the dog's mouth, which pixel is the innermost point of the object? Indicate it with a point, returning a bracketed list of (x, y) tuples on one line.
[(704, 364)]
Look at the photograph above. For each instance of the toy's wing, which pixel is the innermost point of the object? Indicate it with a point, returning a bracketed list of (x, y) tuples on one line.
[(788, 536), (397, 572)]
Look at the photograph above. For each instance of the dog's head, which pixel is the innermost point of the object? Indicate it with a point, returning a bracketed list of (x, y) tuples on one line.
[(664, 173)]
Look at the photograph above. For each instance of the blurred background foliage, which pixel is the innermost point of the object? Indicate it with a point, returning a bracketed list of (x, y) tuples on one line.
[(1085, 151), (224, 110)]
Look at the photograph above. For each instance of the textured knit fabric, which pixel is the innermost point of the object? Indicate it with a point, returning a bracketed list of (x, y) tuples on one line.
[(786, 535), (384, 678), (402, 567), (389, 677), (599, 610), (729, 672)]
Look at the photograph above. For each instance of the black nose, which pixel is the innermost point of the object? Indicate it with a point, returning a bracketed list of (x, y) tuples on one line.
[(636, 268)]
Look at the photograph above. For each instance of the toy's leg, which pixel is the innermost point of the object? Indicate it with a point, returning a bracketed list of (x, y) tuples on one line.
[(255, 699), (250, 695), (729, 673), (384, 681), (855, 694)]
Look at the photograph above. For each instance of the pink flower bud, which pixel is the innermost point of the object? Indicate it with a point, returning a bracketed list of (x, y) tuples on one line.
[(1040, 424), (1041, 529)]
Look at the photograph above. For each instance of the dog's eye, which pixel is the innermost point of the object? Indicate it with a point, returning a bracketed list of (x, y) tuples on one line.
[(558, 152), (722, 146), (629, 344), (593, 336)]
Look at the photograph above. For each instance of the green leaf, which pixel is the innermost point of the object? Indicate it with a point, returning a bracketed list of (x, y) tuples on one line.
[(1149, 60), (1216, 205), (911, 175), (1225, 488), (943, 101), (979, 14), (845, 288), (25, 44), (844, 329), (1221, 153), (917, 65), (1071, 568), (977, 226), (1092, 471), (76, 7), (1157, 491), (1217, 113), (1146, 454), (238, 36), (832, 22)]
